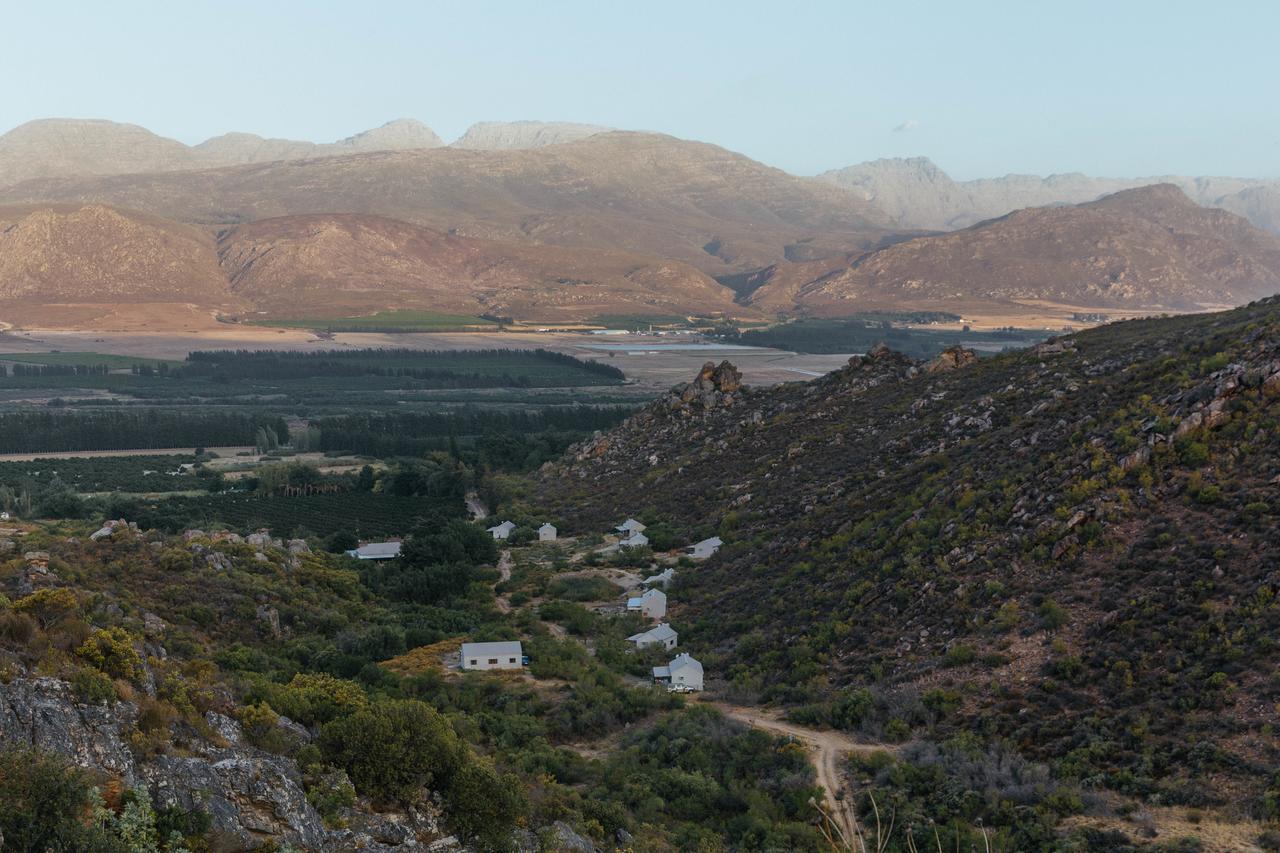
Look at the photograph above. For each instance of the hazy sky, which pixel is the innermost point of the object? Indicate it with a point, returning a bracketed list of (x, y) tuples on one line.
[(1123, 87)]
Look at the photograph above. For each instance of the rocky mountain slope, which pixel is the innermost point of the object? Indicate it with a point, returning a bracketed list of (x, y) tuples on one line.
[(1148, 249), (79, 265), (1072, 548), (52, 148), (915, 193), (638, 192), (507, 135), (343, 264), (94, 253)]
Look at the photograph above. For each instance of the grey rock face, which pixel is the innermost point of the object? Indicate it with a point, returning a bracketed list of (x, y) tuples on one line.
[(511, 135)]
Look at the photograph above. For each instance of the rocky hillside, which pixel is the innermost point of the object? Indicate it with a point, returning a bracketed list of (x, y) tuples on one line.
[(1147, 249), (1072, 548), (53, 148), (915, 193), (644, 193), (97, 254), (344, 264), (507, 135)]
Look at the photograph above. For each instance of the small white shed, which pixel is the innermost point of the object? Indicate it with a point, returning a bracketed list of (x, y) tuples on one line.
[(661, 634), (704, 549), (653, 604), (635, 540), (503, 530), (503, 655), (547, 533)]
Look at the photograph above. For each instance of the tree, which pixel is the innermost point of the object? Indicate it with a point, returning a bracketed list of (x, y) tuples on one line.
[(394, 750)]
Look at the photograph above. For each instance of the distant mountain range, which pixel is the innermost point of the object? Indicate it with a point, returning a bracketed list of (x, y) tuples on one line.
[(915, 193), (545, 220)]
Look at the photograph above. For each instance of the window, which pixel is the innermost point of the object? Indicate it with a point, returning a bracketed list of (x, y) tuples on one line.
[(511, 660), (473, 661), (492, 661)]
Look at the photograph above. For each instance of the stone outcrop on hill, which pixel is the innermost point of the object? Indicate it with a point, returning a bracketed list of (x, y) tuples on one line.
[(508, 135)]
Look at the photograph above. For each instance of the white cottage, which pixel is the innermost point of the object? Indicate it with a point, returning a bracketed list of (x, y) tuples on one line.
[(653, 604), (661, 634), (547, 533), (629, 527), (503, 530), (481, 656), (662, 578), (635, 540), (684, 673), (704, 549)]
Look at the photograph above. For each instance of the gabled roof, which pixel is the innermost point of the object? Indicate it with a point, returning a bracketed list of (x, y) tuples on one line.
[(658, 633), (506, 525), (508, 648), (684, 661), (548, 525), (630, 525), (654, 593), (376, 551), (713, 542)]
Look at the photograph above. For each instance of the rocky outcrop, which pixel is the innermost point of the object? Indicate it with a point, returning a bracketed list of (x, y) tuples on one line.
[(713, 387), (511, 135), (252, 797)]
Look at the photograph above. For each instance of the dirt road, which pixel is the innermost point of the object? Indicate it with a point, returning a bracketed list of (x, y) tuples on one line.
[(504, 573), (827, 751)]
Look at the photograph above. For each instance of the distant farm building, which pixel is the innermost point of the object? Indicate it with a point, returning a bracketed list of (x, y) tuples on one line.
[(662, 578), (635, 540), (503, 530), (704, 549), (547, 533), (653, 604), (660, 635), (629, 527), (376, 551), (482, 656), (684, 673)]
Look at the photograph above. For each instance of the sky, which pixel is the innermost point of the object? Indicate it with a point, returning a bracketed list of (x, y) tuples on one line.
[(984, 88)]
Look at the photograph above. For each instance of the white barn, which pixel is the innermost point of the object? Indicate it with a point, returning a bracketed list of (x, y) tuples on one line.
[(635, 540), (547, 533), (683, 673), (661, 634), (653, 604), (481, 656), (503, 530), (629, 527), (704, 549), (376, 551)]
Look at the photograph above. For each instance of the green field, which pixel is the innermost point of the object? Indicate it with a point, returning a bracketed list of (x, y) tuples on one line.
[(385, 321)]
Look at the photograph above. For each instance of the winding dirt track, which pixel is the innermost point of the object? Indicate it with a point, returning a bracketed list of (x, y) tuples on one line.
[(827, 750)]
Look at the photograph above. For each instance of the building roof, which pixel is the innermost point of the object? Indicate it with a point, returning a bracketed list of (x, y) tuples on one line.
[(662, 577), (376, 551), (508, 648), (684, 661), (654, 593), (635, 602), (630, 525), (547, 526), (662, 672), (713, 542), (658, 633), (506, 525), (636, 538)]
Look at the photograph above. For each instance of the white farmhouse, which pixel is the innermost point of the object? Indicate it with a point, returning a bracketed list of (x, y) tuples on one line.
[(704, 549), (653, 604), (376, 551), (684, 673), (661, 634), (629, 527), (547, 533), (481, 656), (635, 540), (503, 530)]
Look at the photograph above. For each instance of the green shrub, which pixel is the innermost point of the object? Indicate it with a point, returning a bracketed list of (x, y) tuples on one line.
[(393, 750), (112, 651)]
